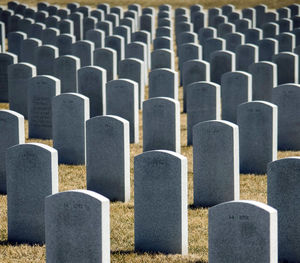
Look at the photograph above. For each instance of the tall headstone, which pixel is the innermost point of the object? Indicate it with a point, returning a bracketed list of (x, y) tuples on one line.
[(106, 58), (28, 47), (14, 40), (268, 47), (122, 101), (156, 228), (242, 231), (49, 36), (162, 58), (70, 111), (40, 93), (245, 56), (203, 104), (12, 133), (84, 49), (91, 83), (257, 121), (64, 43), (233, 40), (44, 59), (108, 160), (216, 162), (64, 216), (283, 195), (161, 124), (32, 174)]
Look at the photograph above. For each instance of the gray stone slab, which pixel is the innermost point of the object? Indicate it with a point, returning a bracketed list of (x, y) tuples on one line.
[(215, 162), (286, 42), (163, 82), (122, 101), (157, 228), (106, 58), (99, 14), (242, 231), (270, 17), (118, 10), (14, 40), (297, 52), (13, 22), (193, 71), (65, 69), (40, 16), (163, 43), (89, 23), (264, 79), (96, 36), (108, 157), (295, 9), (233, 40), (6, 59), (286, 97), (24, 25), (199, 20), (147, 24), (220, 63), (283, 194), (105, 7), (37, 30), (287, 67), (253, 35), (105, 26), (52, 21), (236, 88), (18, 84), (148, 10), (49, 36), (250, 13), (123, 31), (162, 58), (187, 52), (165, 7), (186, 37), (270, 30), (12, 133), (234, 16), (70, 111), (220, 19), (296, 21), (268, 47), (285, 25), (283, 12), (77, 19), (212, 12), (211, 45), (164, 22), (64, 216), (118, 44), (64, 44), (203, 104), (112, 18), (164, 31), (44, 59), (242, 25), (128, 21), (227, 9), (63, 13), (133, 69), (91, 83), (66, 26), (257, 121), (28, 47), (296, 32), (84, 49), (145, 37), (85, 10), (52, 9), (40, 93), (32, 174), (245, 55), (225, 28), (161, 124)]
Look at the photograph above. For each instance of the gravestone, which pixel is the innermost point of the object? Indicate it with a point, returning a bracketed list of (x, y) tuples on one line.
[(286, 42), (106, 58), (91, 83), (64, 216), (113, 18), (18, 84), (283, 12), (286, 97), (84, 49), (285, 25), (128, 21), (233, 40), (225, 28), (147, 24), (105, 26), (66, 26), (270, 30), (283, 185), (193, 71), (77, 19), (242, 231), (37, 30), (268, 47), (123, 31), (211, 45), (32, 174), (70, 111), (52, 21), (220, 63), (85, 10), (206, 33), (12, 133), (250, 13), (64, 43), (65, 69), (187, 52), (162, 58), (13, 22), (143, 36), (41, 16), (236, 88), (199, 20), (118, 44), (257, 121), (107, 142), (216, 162), (40, 93), (161, 124), (96, 36), (6, 59), (253, 35), (105, 7), (164, 31), (264, 79), (156, 228), (24, 25), (212, 12), (14, 40), (133, 69), (49, 36), (99, 14), (242, 25), (203, 104), (28, 47), (122, 101), (89, 23), (162, 43), (287, 67), (44, 59), (73, 7), (163, 82), (245, 56)]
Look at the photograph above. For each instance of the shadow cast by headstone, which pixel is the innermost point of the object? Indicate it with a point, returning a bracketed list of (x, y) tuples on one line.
[(16, 244), (195, 207)]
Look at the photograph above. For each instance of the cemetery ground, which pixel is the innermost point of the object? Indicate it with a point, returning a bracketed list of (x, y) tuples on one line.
[(252, 187)]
